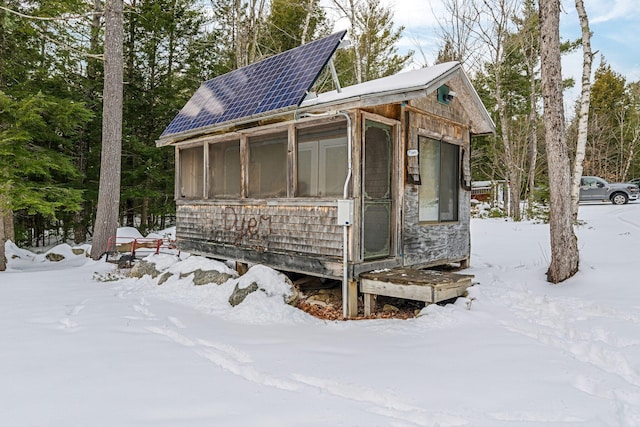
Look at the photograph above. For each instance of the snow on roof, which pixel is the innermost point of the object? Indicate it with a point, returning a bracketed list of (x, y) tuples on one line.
[(404, 81), (421, 82)]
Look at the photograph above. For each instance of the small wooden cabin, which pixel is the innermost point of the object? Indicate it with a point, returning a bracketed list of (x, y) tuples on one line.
[(368, 177)]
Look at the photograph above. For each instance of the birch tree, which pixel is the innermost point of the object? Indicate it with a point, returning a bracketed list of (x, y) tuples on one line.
[(291, 23), (583, 112), (564, 244)]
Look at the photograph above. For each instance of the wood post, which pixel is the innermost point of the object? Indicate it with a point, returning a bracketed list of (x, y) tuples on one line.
[(352, 299), (241, 267), (369, 304)]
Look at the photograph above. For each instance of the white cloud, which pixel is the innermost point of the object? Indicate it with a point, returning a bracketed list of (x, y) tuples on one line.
[(607, 10)]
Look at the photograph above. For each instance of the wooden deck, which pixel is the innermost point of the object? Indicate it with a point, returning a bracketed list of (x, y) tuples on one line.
[(430, 286)]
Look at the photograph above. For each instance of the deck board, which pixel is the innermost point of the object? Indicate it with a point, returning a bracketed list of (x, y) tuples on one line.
[(429, 286)]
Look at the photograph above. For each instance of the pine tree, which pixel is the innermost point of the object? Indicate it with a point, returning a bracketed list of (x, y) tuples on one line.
[(374, 52), (166, 56), (38, 78)]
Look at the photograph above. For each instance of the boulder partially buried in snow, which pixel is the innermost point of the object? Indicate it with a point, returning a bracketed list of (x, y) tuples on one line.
[(271, 282), (204, 277), (239, 294), (143, 268), (61, 252), (12, 251), (202, 270)]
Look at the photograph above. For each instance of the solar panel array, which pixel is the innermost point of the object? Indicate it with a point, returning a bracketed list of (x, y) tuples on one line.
[(275, 83)]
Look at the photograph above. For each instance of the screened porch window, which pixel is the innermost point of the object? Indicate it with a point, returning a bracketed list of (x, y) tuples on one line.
[(268, 166), (322, 161), (439, 172), (191, 172), (224, 169)]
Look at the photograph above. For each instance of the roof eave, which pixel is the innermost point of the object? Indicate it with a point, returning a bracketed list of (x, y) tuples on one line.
[(181, 136)]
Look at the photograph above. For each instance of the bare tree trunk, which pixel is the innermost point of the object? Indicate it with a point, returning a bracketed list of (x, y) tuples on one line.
[(583, 113), (500, 30), (144, 215), (80, 230), (9, 225), (457, 25), (110, 166), (307, 21), (349, 11), (533, 136), (254, 29), (3, 236), (564, 244)]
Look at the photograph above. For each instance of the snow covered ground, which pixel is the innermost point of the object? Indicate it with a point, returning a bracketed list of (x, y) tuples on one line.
[(75, 351)]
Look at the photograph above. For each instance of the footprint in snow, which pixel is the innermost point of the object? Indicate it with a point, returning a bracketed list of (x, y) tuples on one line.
[(144, 311)]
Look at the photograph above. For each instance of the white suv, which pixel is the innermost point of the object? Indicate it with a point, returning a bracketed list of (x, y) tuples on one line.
[(597, 189)]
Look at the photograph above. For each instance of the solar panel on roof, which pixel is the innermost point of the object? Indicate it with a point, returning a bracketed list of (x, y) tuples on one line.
[(275, 83)]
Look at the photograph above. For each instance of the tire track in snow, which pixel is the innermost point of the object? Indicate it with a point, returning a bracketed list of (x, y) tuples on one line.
[(619, 217)]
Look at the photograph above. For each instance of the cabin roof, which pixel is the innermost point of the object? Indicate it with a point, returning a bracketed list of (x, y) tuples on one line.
[(398, 88), (405, 86)]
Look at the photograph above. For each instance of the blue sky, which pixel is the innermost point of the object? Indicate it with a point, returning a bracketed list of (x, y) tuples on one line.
[(615, 25)]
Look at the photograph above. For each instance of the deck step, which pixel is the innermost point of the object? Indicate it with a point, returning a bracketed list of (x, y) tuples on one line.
[(429, 286)]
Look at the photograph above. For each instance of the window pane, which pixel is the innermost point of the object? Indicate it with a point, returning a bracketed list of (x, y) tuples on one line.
[(224, 169), (322, 160), (449, 174), (377, 218), (268, 166), (377, 182), (191, 172), (308, 169), (333, 159), (428, 195)]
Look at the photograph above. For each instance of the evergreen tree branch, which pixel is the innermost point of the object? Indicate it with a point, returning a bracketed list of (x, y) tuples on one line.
[(50, 18)]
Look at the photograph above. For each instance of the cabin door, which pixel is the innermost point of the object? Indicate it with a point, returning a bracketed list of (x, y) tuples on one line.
[(376, 189)]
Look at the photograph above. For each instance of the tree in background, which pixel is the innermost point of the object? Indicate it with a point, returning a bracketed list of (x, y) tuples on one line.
[(162, 39), (504, 73), (36, 168), (239, 23), (494, 31), (42, 115), (457, 34), (583, 111), (564, 243), (374, 37), (291, 23), (613, 136), (527, 40), (87, 157)]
